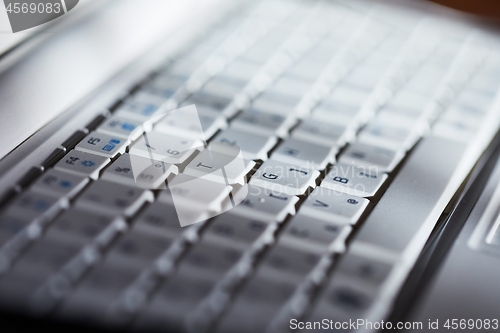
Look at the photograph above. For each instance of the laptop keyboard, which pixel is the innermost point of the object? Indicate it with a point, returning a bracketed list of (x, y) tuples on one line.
[(338, 93)]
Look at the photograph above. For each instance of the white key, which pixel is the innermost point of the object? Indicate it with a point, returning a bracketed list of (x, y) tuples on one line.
[(102, 145), (217, 156), (141, 107), (113, 198), (341, 114), (220, 86), (253, 146), (196, 199), (266, 205), (334, 206), (58, 183), (264, 123), (386, 136), (350, 179), (233, 230), (365, 155), (310, 155), (192, 125), (139, 171), (323, 133), (84, 164), (166, 148), (284, 178), (314, 234), (124, 128)]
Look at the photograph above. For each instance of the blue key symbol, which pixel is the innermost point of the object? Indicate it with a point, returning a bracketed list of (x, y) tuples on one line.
[(108, 147), (128, 127), (65, 183), (88, 163)]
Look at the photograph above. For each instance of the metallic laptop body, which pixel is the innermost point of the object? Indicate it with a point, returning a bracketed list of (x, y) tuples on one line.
[(367, 136)]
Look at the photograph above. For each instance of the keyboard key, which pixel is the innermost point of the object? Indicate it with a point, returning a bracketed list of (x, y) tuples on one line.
[(141, 107), (217, 156), (211, 258), (284, 178), (266, 205), (123, 128), (253, 146), (198, 125), (254, 121), (364, 155), (79, 226), (320, 132), (334, 206), (196, 199), (137, 249), (367, 270), (310, 155), (350, 179), (313, 234), (102, 145), (33, 206), (59, 184), (84, 164), (159, 218), (113, 198), (11, 226), (236, 231), (166, 148), (383, 135), (139, 171)]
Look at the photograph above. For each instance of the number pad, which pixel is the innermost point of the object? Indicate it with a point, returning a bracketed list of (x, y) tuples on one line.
[(139, 171), (334, 206), (58, 184), (102, 145), (80, 163), (162, 147), (113, 198), (350, 179), (284, 178)]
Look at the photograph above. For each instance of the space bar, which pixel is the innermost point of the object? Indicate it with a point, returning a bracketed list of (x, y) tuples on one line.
[(402, 221)]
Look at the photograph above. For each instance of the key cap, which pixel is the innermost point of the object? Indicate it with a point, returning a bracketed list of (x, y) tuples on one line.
[(217, 156), (192, 204), (59, 184), (202, 127), (137, 249), (11, 226), (102, 145), (232, 230), (336, 113), (266, 205), (364, 155), (284, 178), (322, 133), (84, 164), (79, 226), (123, 128), (159, 218), (206, 102), (141, 107), (220, 86), (113, 198), (350, 179), (313, 234), (166, 148), (275, 103), (265, 123), (384, 135), (334, 206), (33, 206), (139, 171), (368, 270), (310, 155), (253, 146)]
